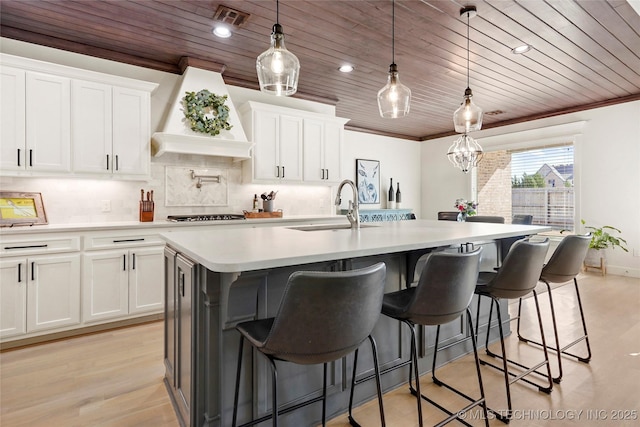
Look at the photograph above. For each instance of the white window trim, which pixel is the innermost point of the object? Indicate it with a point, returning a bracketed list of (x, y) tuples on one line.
[(536, 138)]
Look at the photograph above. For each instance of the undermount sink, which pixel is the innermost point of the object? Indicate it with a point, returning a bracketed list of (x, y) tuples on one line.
[(328, 227)]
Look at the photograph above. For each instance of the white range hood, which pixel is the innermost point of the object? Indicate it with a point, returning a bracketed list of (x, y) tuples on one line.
[(177, 137)]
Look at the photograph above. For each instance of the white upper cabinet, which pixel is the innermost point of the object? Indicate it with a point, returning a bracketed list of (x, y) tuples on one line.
[(12, 110), (277, 153), (36, 122), (110, 129), (322, 150), (292, 145), (92, 126), (62, 120)]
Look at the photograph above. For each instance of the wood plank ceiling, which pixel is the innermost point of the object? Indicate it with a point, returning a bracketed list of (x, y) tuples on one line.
[(586, 53)]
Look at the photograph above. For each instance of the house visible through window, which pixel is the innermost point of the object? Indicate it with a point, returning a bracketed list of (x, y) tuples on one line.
[(537, 181)]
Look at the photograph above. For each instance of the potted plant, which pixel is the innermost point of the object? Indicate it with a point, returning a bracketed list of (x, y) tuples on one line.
[(601, 239)]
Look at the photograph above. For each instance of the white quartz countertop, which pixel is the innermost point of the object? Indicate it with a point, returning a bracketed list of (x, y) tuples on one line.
[(162, 224), (245, 249)]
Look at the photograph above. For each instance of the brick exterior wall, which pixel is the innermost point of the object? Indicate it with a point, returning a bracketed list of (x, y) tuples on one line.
[(494, 185)]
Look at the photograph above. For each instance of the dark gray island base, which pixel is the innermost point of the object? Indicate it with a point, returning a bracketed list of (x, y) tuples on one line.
[(203, 306)]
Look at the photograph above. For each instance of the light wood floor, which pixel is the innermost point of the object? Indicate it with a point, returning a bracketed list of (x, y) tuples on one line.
[(115, 378)]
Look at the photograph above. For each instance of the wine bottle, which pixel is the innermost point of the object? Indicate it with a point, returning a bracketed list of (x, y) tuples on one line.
[(391, 204), (398, 196)]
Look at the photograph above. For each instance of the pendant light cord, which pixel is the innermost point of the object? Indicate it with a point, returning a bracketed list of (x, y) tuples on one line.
[(277, 11), (468, 14), (393, 32)]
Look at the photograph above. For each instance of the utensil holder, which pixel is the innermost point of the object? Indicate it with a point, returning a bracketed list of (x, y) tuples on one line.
[(267, 205), (146, 210)]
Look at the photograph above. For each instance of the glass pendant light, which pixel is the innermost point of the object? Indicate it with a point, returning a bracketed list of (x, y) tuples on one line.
[(394, 98), (468, 117), (465, 153), (278, 69)]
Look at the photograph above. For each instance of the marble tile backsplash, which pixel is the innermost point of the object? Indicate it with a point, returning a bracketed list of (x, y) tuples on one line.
[(81, 200)]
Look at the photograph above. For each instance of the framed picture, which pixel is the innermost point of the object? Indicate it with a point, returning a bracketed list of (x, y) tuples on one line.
[(18, 208), (368, 181)]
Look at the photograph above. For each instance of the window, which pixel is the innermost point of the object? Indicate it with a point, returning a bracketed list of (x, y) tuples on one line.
[(539, 181)]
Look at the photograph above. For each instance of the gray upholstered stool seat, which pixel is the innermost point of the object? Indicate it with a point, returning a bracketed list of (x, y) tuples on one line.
[(563, 267), (323, 317), (443, 293), (517, 277)]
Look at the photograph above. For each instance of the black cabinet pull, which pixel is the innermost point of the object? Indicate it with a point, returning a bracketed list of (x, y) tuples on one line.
[(181, 284), (128, 240), (124, 262), (117, 167), (283, 171), (327, 173), (19, 272), (133, 261), (277, 171), (33, 270), (107, 162), (322, 173), (19, 157), (8, 248), (31, 158)]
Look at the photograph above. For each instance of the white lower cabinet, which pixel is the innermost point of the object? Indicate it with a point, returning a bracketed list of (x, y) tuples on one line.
[(39, 292), (121, 282)]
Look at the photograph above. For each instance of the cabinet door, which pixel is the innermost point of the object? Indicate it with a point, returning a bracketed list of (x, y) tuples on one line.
[(131, 134), (13, 297), (12, 117), (266, 136), (290, 152), (313, 165), (332, 152), (146, 280), (53, 294), (185, 274), (170, 315), (91, 126), (105, 285), (48, 123)]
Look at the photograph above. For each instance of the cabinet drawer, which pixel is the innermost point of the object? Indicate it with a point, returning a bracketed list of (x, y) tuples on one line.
[(23, 246), (118, 241)]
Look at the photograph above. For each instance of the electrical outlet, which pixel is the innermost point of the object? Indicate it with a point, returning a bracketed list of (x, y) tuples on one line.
[(105, 205)]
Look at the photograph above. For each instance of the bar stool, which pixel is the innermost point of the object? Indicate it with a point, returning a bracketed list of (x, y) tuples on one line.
[(563, 266), (507, 242), (486, 218), (443, 294), (517, 277), (448, 216), (323, 317)]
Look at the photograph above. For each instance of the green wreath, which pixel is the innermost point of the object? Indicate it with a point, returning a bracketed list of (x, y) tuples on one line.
[(196, 105)]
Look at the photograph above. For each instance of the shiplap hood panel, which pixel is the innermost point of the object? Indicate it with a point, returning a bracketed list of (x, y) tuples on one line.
[(177, 137)]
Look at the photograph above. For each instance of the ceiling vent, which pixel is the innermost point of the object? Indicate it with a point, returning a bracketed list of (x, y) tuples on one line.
[(229, 16)]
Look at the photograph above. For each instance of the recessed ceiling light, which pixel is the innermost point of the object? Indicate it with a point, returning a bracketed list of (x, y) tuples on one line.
[(222, 32), (346, 68), (521, 49)]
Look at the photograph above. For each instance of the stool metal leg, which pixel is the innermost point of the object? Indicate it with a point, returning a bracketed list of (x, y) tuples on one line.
[(474, 402), (414, 362), (237, 391), (324, 395), (505, 361), (559, 351), (376, 375)]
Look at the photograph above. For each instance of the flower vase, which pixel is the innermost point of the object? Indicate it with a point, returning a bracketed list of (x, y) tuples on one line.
[(462, 217)]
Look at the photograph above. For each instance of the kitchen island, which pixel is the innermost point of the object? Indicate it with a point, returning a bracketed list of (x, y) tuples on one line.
[(215, 279)]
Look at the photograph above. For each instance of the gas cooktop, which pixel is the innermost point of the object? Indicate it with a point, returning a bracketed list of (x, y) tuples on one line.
[(204, 217)]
